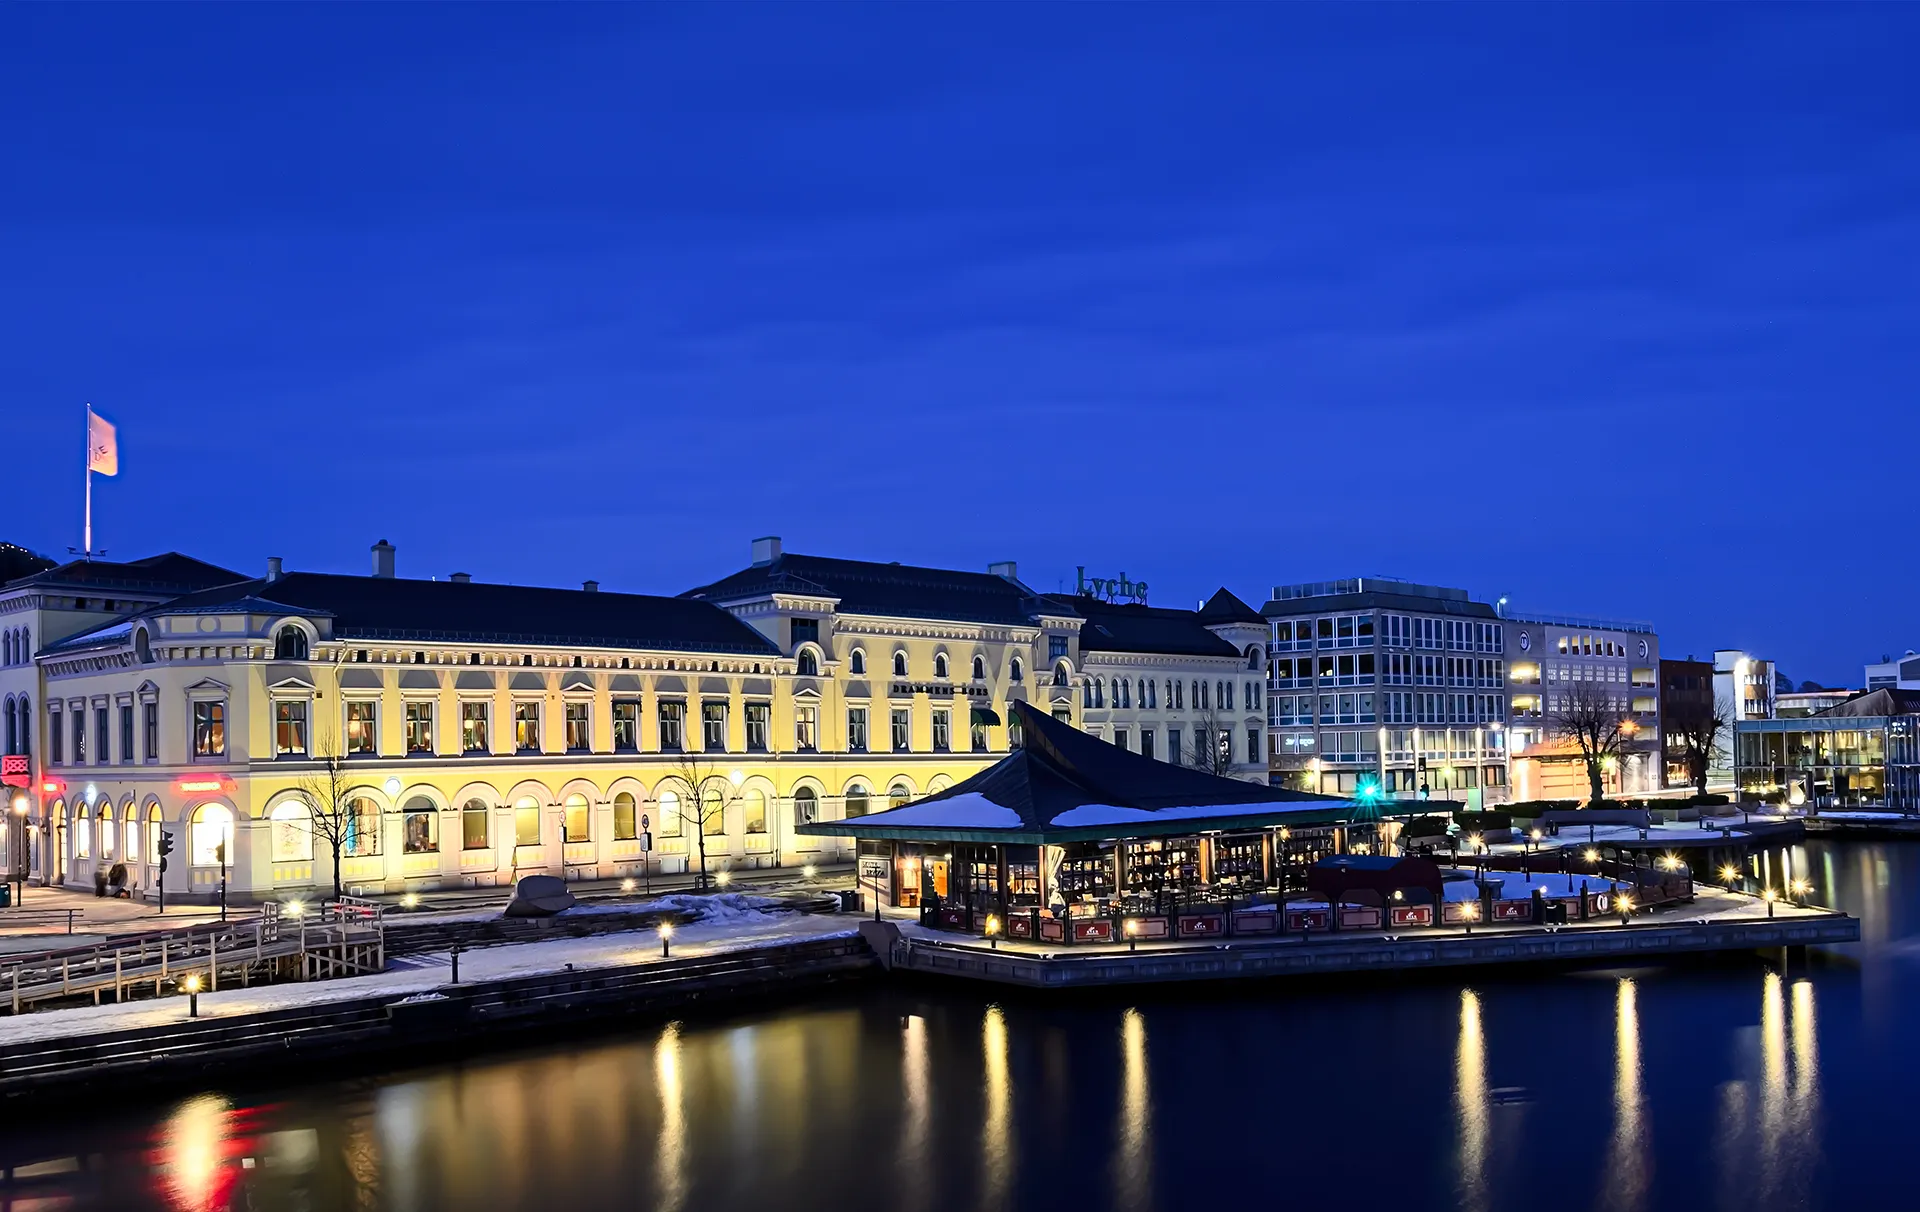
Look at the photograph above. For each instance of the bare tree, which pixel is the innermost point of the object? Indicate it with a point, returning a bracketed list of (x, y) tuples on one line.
[(1703, 728), (329, 807), (1591, 717), (709, 793), (1211, 746)]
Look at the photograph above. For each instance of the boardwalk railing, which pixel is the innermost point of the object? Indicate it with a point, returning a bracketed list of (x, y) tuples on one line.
[(341, 938)]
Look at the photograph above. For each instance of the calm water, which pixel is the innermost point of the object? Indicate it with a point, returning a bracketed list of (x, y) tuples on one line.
[(1728, 1085)]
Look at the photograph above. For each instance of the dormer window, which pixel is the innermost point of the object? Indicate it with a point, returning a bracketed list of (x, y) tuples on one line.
[(899, 664), (142, 647), (808, 665), (289, 644)]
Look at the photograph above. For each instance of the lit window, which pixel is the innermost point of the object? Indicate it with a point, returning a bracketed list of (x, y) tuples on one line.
[(579, 725), (419, 727), (209, 731), (289, 727), (419, 827), (362, 729), (575, 819), (473, 728)]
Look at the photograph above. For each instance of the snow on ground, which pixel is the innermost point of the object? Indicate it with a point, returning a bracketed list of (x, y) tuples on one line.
[(735, 922)]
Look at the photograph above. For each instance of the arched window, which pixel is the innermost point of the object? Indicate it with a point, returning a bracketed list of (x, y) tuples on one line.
[(1060, 674), (363, 828), (625, 818), (153, 834), (107, 831), (713, 812), (6, 648), (898, 795), (857, 803), (576, 818), (806, 806), (1253, 657), (857, 663), (291, 823), (130, 850), (899, 664), (419, 827), (1086, 693), (290, 644), (13, 731), (753, 810), (1016, 670), (473, 824), (809, 664), (979, 669), (669, 814), (83, 832), (940, 665), (526, 821), (142, 646), (210, 836)]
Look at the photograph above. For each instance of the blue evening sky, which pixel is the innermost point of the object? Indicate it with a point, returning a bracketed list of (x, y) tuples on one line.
[(1609, 308)]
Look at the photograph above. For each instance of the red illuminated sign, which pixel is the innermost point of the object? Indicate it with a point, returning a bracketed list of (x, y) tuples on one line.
[(53, 787), (218, 782)]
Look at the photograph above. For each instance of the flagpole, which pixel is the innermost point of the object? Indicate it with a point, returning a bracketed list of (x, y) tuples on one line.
[(86, 539)]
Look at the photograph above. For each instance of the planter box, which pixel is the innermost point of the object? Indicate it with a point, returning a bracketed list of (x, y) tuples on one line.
[(1203, 925)]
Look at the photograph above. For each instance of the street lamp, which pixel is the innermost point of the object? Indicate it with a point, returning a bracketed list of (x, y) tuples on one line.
[(1626, 908), (1470, 911), (1728, 875), (1800, 889), (1591, 855)]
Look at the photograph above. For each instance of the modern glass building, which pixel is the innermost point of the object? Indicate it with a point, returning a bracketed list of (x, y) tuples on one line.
[(1864, 753)]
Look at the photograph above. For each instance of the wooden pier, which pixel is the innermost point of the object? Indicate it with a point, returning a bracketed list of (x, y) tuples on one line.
[(340, 938)]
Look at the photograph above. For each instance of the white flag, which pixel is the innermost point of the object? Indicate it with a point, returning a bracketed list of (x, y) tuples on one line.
[(103, 451)]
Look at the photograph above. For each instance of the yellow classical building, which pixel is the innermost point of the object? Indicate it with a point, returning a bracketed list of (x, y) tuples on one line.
[(480, 732)]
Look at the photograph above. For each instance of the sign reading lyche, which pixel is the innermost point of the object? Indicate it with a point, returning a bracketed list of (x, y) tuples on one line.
[(13, 770), (1112, 589)]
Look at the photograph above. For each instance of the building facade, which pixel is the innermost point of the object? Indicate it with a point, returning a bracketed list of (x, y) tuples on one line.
[(1686, 689), (486, 732), (1387, 685), (1899, 673), (1548, 656), (1861, 754), (1746, 683)]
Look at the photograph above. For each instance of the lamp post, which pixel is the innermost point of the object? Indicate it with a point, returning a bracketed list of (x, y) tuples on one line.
[(1469, 911)]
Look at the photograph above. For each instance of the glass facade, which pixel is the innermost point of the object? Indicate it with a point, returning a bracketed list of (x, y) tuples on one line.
[(1841, 762)]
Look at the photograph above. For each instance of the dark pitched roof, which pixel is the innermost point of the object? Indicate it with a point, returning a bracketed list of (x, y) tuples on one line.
[(1224, 607), (1887, 700), (1064, 785), (895, 590), (1112, 627), (169, 572), (390, 608)]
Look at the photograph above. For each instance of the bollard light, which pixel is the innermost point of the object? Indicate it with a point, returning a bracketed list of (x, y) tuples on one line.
[(1729, 875), (723, 878), (1769, 896), (993, 932), (1800, 889), (809, 871), (1590, 855), (192, 986), (410, 901), (1626, 908), (666, 939), (1133, 935), (1470, 911), (295, 908), (626, 885)]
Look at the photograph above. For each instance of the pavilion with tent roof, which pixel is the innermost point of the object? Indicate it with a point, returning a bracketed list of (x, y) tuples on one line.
[(1067, 833)]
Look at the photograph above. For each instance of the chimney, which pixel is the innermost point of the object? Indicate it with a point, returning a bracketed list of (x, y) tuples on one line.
[(766, 550), (461, 578), (273, 569), (1004, 568), (590, 586), (383, 559)]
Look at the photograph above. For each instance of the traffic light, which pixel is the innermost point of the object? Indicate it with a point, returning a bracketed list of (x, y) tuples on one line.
[(166, 847)]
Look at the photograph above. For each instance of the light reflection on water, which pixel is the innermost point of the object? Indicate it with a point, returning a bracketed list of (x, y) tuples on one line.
[(1688, 1086)]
